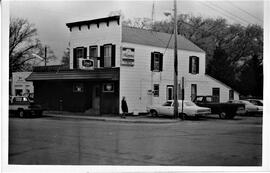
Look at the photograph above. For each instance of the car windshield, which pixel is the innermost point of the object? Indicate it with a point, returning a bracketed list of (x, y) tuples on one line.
[(168, 103), (256, 102)]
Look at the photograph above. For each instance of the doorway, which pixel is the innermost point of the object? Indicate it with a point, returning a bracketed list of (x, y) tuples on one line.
[(96, 99)]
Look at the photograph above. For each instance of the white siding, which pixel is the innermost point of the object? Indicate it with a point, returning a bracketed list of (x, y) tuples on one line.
[(18, 82), (137, 80), (96, 36)]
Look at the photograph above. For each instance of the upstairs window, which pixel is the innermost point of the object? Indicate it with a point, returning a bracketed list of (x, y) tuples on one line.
[(93, 52), (78, 52), (194, 65), (156, 61), (107, 55), (231, 94)]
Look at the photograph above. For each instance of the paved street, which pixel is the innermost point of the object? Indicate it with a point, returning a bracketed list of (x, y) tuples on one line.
[(206, 142)]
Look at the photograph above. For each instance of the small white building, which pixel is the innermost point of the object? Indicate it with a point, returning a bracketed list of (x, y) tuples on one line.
[(19, 85), (144, 65)]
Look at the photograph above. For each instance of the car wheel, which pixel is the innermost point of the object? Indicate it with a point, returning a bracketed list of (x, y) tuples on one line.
[(21, 113), (154, 113), (183, 116), (222, 115)]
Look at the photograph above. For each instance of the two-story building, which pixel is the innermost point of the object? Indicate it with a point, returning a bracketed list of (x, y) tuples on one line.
[(109, 61)]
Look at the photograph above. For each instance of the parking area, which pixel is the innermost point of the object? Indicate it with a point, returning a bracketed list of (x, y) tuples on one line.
[(206, 142)]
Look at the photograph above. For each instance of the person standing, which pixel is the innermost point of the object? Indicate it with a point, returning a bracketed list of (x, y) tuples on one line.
[(124, 107)]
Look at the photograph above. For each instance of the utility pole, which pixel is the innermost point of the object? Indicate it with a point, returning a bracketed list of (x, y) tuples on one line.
[(45, 58), (175, 111)]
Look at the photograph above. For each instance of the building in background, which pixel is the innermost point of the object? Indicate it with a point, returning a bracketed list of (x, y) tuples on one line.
[(19, 86), (109, 61)]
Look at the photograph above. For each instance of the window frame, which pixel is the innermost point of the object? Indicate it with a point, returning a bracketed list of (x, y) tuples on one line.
[(156, 90), (90, 51), (167, 92), (194, 63), (109, 64), (77, 52)]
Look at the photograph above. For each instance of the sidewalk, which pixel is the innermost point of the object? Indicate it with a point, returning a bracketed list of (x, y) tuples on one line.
[(109, 118)]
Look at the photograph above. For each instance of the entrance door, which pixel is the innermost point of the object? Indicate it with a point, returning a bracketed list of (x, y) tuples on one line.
[(169, 92), (216, 94), (96, 99)]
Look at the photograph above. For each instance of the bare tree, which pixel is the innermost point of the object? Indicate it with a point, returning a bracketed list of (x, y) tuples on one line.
[(23, 42)]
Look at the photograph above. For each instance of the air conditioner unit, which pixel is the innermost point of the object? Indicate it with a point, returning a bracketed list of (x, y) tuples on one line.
[(86, 64)]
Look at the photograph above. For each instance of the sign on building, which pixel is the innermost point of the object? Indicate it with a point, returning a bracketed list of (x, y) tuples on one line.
[(127, 56)]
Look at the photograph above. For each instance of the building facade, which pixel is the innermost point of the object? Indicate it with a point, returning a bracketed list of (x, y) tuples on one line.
[(109, 61), (19, 86)]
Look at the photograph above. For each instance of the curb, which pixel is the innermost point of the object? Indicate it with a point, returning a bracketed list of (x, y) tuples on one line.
[(113, 119)]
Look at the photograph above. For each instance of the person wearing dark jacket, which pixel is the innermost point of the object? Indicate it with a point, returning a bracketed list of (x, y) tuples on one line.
[(124, 107)]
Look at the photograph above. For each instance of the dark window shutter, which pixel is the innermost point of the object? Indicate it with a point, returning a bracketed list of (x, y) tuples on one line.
[(101, 56), (190, 64), (197, 65), (113, 56), (85, 52), (152, 61), (160, 61), (74, 58)]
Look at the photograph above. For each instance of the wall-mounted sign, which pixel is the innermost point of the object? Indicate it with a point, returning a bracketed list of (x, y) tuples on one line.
[(86, 64), (108, 87), (127, 56)]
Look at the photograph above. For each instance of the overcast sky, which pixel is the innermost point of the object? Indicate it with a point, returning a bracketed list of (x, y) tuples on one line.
[(50, 17)]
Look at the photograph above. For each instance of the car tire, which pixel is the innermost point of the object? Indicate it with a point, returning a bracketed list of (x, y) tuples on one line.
[(154, 113), (183, 116), (21, 113), (222, 115)]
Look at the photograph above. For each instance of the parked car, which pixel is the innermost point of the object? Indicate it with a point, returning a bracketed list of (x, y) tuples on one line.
[(224, 110), (258, 103), (250, 109), (23, 107), (189, 109)]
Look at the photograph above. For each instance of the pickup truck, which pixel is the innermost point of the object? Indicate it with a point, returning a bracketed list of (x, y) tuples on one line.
[(224, 110), (23, 107)]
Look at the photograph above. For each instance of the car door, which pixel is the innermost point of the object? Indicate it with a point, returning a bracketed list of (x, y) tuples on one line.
[(165, 109)]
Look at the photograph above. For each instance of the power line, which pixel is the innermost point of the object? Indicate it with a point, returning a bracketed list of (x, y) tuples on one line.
[(207, 5), (228, 12), (244, 11)]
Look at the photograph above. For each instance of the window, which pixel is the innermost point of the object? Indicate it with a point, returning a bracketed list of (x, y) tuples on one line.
[(93, 54), (18, 92), (167, 103), (78, 87), (215, 94), (107, 55), (156, 90), (231, 95), (156, 61), (108, 87), (193, 91), (93, 50), (193, 65), (78, 52), (169, 92)]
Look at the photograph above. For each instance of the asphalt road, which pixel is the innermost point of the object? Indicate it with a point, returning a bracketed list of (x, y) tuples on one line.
[(207, 142)]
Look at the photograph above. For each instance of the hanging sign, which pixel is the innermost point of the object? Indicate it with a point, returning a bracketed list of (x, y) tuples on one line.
[(127, 56)]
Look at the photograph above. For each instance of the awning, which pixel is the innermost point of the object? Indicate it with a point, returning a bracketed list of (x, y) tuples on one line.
[(98, 74)]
